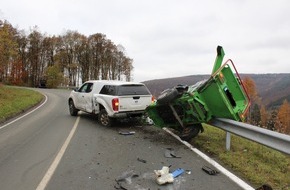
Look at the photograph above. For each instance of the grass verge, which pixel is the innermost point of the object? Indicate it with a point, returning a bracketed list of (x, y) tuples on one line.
[(16, 100), (254, 162)]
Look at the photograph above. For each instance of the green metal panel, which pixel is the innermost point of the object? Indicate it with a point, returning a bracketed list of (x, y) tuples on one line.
[(222, 96)]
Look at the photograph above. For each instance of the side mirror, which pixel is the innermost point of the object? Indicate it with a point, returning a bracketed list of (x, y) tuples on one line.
[(76, 89)]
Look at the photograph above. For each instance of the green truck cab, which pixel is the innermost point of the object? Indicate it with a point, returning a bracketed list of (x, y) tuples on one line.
[(185, 108)]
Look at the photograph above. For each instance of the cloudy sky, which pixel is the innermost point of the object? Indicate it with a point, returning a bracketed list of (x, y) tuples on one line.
[(171, 38)]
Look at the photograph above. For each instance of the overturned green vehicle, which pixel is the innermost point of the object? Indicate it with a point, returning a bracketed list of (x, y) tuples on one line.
[(185, 108)]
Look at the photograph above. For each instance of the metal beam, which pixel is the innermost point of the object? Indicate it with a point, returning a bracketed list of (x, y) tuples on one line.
[(272, 139)]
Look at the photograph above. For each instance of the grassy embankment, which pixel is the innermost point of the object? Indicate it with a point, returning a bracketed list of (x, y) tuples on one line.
[(16, 100), (251, 161)]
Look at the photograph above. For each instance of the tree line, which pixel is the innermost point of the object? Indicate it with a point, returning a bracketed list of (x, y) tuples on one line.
[(28, 59), (275, 119)]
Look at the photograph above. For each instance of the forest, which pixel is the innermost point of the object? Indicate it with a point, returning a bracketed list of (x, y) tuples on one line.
[(35, 59)]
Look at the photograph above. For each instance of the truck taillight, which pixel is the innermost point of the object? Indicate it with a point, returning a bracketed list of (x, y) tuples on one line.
[(115, 104), (152, 99)]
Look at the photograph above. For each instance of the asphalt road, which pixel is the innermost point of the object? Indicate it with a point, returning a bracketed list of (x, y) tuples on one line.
[(95, 157)]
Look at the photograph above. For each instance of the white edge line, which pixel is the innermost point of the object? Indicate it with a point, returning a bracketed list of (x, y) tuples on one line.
[(230, 175), (45, 180), (25, 114)]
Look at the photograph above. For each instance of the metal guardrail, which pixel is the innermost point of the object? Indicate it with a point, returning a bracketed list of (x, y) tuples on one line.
[(272, 139)]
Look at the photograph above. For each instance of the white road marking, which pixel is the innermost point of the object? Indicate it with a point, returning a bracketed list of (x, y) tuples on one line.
[(230, 175), (45, 180), (46, 98)]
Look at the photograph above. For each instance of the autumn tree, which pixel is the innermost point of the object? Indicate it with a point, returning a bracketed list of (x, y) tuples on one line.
[(35, 56), (97, 44), (250, 87), (283, 118), (256, 115), (83, 57), (53, 76), (22, 58), (264, 116), (271, 124), (8, 49)]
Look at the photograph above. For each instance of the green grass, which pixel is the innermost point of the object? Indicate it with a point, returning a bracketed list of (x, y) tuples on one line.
[(251, 161), (16, 100)]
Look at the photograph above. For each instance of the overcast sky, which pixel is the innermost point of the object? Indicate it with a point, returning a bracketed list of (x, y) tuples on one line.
[(171, 38)]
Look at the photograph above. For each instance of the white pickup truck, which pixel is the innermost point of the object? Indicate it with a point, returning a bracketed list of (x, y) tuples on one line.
[(110, 100)]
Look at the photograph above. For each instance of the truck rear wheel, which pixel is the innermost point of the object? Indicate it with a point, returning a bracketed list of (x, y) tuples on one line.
[(104, 118)]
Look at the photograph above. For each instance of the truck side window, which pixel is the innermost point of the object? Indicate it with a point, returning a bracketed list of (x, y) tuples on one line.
[(104, 90), (87, 87), (108, 90)]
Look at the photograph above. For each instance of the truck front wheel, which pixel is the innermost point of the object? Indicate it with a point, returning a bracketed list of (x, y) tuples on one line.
[(167, 96), (190, 132), (72, 109), (104, 119)]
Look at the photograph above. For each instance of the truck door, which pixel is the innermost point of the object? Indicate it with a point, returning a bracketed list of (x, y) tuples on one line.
[(85, 97)]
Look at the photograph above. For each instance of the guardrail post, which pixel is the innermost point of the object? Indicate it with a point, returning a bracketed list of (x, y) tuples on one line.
[(228, 141)]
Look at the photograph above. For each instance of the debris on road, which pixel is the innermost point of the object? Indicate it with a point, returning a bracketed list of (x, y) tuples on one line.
[(209, 171), (141, 160), (169, 153), (188, 172), (126, 132), (178, 172), (163, 176)]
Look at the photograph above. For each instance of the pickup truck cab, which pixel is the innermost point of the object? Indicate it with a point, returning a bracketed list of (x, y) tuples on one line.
[(110, 100)]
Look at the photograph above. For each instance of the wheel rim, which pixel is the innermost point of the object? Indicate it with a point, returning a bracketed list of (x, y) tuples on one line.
[(104, 119)]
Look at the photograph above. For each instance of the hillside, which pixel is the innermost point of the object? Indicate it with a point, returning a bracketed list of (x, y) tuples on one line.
[(272, 88)]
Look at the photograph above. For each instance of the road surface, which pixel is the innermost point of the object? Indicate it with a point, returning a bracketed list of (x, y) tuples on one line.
[(49, 149)]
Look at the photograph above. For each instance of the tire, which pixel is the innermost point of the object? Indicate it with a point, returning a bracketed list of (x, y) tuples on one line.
[(167, 96), (104, 119), (72, 109), (181, 88), (190, 132)]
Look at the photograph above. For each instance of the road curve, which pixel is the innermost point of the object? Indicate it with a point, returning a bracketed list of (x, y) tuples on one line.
[(95, 156), (28, 146)]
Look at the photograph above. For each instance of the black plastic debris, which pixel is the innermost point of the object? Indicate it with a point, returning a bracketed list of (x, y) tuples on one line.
[(209, 171), (141, 160), (169, 153), (126, 132)]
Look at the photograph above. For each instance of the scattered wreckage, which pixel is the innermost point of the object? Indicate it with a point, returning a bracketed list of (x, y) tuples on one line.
[(185, 108)]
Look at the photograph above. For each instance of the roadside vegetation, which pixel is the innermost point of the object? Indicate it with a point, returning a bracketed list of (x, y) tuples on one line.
[(29, 58), (16, 100), (253, 162)]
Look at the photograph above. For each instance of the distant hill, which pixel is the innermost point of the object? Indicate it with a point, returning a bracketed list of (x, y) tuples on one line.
[(272, 88)]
